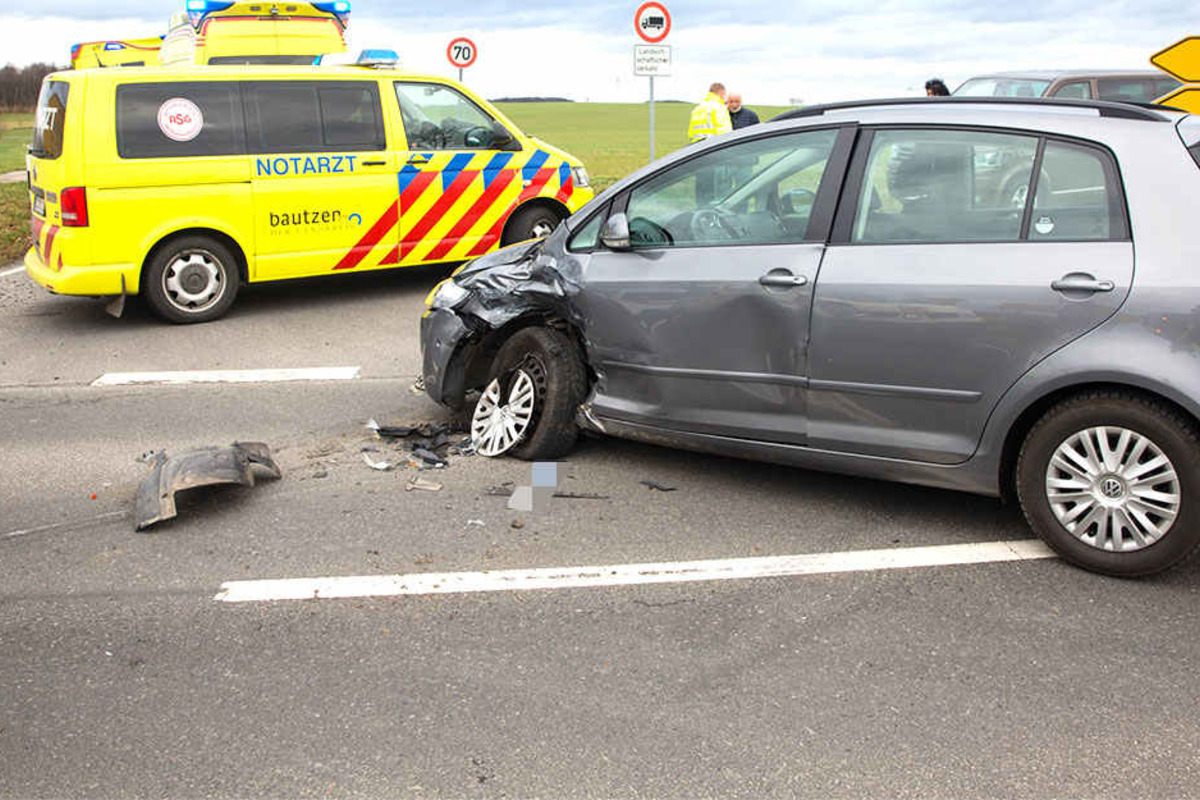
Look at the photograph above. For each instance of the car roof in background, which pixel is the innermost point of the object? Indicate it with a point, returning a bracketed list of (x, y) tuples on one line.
[(918, 106), (1057, 74)]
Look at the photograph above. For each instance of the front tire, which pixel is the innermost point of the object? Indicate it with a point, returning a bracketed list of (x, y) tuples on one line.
[(1111, 482), (191, 279), (527, 407), (531, 222)]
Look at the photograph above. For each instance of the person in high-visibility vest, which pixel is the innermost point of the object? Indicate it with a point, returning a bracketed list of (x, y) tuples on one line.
[(710, 117)]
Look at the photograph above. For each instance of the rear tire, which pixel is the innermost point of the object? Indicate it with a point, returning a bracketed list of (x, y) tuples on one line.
[(1111, 482), (536, 383), (531, 222), (191, 279)]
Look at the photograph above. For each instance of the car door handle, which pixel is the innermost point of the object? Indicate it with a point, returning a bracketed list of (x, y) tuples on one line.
[(782, 278), (1081, 282), (373, 163), (418, 159)]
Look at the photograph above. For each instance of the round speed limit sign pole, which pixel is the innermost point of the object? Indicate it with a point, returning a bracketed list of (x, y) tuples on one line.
[(462, 53)]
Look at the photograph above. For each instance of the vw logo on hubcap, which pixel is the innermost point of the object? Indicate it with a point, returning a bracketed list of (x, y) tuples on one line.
[(1112, 488)]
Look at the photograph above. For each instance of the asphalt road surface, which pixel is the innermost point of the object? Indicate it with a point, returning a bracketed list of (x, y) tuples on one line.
[(125, 675)]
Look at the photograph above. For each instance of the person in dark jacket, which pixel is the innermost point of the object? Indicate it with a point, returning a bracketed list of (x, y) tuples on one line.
[(739, 115)]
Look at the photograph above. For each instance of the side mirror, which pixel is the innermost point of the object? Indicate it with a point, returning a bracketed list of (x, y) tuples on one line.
[(615, 233), (502, 138)]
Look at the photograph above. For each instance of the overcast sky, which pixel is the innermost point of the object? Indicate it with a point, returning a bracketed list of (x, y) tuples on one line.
[(773, 52)]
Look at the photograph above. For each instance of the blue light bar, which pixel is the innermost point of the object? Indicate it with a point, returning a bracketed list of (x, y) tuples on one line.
[(378, 56), (198, 9), (113, 46), (338, 7)]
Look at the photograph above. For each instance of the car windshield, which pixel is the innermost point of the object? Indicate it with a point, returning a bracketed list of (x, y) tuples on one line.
[(1002, 87)]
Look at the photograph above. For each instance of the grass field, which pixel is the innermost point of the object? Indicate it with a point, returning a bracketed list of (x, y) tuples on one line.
[(612, 140)]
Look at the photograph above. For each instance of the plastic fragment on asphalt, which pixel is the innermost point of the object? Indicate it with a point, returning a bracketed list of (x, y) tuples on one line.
[(475, 523), (579, 496), (655, 486), (201, 466), (429, 457), (390, 431), (382, 466), (503, 490), (418, 484)]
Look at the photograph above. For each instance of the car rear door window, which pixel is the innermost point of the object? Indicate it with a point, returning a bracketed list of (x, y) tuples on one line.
[(924, 186), (756, 192), (312, 116), (1134, 90), (1078, 196), (178, 119)]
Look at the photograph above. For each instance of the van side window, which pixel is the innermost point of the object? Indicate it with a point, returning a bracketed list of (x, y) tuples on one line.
[(168, 120), (436, 117), (312, 116)]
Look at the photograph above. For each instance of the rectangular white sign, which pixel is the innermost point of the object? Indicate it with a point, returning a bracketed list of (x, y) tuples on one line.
[(652, 59)]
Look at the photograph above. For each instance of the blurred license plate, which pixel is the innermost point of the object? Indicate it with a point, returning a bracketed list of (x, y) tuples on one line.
[(39, 205)]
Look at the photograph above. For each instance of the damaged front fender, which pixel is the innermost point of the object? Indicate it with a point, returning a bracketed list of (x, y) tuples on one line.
[(202, 466)]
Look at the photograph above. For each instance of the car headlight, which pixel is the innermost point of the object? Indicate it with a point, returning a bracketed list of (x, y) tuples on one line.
[(580, 176), (447, 294)]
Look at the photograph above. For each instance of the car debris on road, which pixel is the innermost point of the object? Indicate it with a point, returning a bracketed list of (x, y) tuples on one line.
[(190, 469)]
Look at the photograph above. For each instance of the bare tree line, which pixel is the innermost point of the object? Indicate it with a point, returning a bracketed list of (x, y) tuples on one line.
[(19, 86)]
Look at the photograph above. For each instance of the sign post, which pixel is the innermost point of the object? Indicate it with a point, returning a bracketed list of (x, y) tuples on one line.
[(652, 23), (1182, 62), (462, 53)]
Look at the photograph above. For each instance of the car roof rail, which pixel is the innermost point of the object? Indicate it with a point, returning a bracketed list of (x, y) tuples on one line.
[(1106, 108)]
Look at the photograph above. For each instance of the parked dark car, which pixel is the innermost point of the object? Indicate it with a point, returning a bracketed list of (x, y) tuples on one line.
[(853, 301)]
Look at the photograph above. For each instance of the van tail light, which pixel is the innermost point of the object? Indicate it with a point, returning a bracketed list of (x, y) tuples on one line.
[(74, 207)]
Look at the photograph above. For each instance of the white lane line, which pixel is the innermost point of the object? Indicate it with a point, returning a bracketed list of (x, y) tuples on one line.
[(4, 273), (628, 574), (228, 376)]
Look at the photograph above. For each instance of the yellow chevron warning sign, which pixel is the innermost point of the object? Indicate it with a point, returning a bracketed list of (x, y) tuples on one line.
[(1182, 62)]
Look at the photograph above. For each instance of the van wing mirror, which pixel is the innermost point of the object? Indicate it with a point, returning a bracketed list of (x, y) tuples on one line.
[(502, 138), (615, 233)]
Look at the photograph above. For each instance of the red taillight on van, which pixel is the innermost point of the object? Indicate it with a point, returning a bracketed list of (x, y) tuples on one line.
[(73, 202)]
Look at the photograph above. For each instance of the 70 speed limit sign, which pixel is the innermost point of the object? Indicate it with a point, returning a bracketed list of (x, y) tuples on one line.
[(462, 52)]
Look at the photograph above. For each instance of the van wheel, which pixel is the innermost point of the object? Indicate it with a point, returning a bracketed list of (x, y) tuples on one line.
[(527, 408), (531, 222), (1111, 482), (191, 279)]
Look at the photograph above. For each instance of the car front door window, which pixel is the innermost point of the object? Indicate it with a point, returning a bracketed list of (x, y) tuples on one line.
[(756, 192)]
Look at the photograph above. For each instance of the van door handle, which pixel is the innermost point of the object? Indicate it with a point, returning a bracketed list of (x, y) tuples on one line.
[(1081, 282), (418, 159), (373, 163), (782, 277)]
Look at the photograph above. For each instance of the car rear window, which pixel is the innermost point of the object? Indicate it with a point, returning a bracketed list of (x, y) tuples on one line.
[(1002, 87), (51, 120), (312, 116), (186, 119), (1135, 90), (1195, 151)]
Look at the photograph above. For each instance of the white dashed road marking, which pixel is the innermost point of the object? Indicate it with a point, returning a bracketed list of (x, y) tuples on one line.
[(629, 574), (228, 376), (4, 273)]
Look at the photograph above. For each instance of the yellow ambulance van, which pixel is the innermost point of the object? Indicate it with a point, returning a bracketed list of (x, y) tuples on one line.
[(116, 53), (221, 32), (182, 184)]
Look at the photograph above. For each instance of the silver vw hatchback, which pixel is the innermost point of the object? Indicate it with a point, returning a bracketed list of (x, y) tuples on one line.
[(999, 297)]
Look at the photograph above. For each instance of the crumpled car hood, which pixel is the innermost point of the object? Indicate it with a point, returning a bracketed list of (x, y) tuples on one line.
[(534, 276)]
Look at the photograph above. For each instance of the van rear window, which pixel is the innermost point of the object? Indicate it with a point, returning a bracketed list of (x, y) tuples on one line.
[(166, 120), (51, 120)]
